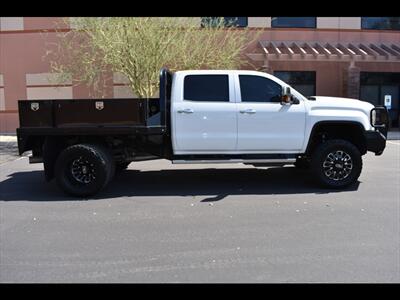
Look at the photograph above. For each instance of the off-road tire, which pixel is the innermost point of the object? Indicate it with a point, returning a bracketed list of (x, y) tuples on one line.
[(331, 147), (102, 169)]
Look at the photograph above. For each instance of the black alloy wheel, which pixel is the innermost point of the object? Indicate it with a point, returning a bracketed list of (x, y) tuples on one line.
[(336, 163), (84, 169)]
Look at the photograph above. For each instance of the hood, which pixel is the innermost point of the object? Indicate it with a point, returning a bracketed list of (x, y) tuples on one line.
[(325, 102)]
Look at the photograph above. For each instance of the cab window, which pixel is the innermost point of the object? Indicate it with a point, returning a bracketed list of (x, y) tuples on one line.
[(206, 88), (259, 89)]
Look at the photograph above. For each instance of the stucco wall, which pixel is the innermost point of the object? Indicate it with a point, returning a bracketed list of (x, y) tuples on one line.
[(24, 40)]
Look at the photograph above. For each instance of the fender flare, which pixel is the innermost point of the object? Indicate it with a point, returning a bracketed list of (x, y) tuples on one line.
[(320, 124)]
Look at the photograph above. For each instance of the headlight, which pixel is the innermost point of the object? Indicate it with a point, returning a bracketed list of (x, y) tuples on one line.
[(373, 117), (379, 117)]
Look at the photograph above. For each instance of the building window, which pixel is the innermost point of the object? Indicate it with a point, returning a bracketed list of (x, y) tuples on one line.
[(229, 21), (206, 88), (302, 81), (376, 86), (294, 22), (380, 23)]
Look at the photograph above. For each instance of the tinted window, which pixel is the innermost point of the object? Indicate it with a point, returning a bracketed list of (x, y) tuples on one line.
[(259, 89), (236, 21), (206, 88), (229, 21), (294, 22), (388, 23), (375, 86), (379, 78), (370, 93), (302, 81)]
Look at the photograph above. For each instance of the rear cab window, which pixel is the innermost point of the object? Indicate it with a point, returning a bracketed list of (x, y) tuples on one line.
[(207, 88)]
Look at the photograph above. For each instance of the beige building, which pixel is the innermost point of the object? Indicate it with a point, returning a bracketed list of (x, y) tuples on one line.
[(356, 57)]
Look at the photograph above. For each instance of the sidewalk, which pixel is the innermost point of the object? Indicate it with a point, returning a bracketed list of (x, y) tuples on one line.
[(8, 148)]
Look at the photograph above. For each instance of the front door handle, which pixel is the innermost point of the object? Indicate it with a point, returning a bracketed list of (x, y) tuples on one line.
[(248, 111), (186, 111)]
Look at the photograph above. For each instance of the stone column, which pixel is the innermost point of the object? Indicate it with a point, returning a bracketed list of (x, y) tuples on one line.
[(266, 68), (353, 81)]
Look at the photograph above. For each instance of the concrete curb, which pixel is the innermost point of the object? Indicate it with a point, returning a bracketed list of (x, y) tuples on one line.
[(393, 135), (7, 138)]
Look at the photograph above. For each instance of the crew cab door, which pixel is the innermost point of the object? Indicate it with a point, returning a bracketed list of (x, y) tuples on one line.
[(204, 114), (264, 124)]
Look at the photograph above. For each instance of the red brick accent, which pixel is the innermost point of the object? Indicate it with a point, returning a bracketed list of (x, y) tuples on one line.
[(353, 82)]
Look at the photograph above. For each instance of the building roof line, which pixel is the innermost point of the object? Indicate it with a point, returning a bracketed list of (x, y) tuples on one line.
[(332, 51)]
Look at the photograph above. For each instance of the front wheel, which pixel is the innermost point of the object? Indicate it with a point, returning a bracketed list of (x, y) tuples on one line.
[(336, 163), (84, 169)]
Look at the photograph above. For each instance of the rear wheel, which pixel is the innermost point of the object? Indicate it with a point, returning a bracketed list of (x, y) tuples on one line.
[(336, 163), (84, 169)]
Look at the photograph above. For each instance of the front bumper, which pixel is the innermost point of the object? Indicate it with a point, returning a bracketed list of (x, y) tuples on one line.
[(376, 141)]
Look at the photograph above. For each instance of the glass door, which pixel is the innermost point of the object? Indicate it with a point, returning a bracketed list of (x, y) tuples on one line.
[(393, 91), (370, 93), (374, 86)]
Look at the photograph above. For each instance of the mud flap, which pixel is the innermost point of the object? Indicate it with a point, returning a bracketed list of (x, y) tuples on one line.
[(51, 149)]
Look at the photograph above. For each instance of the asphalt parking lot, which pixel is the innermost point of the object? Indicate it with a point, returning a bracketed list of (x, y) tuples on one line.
[(159, 222)]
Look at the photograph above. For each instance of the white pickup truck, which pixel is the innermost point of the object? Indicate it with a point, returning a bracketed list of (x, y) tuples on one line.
[(202, 116)]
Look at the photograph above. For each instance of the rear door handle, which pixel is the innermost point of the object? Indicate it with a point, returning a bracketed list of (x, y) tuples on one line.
[(248, 111), (186, 111)]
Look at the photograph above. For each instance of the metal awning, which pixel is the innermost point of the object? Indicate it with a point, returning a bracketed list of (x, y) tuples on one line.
[(324, 51)]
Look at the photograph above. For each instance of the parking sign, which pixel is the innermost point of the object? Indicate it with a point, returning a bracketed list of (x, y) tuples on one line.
[(388, 101)]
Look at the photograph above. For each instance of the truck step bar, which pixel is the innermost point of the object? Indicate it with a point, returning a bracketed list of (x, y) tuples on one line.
[(229, 161)]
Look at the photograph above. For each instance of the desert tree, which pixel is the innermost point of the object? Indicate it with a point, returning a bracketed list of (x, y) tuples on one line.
[(138, 47)]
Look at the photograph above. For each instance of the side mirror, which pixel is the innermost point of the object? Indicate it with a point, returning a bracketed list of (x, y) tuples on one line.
[(286, 98)]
